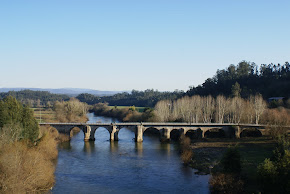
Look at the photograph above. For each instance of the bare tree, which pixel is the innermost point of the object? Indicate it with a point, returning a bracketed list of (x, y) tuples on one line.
[(249, 112), (207, 108), (259, 106), (195, 108), (163, 110), (221, 108)]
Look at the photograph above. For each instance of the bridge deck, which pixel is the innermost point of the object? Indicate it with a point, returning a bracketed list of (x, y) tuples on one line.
[(160, 124)]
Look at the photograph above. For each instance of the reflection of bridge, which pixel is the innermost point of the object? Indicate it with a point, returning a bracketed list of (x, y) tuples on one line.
[(164, 129)]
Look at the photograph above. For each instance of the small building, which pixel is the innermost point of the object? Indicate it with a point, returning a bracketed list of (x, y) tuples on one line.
[(275, 99)]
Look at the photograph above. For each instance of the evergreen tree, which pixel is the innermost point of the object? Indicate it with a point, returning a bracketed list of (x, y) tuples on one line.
[(13, 113)]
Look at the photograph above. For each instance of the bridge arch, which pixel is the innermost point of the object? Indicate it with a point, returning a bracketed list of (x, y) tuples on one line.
[(75, 130), (152, 131), (175, 134), (215, 133), (126, 133), (100, 132), (195, 133), (251, 132)]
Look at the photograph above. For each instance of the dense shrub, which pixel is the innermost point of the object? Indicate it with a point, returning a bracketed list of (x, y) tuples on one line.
[(71, 111), (26, 168), (226, 183), (274, 173), (13, 113), (124, 114), (277, 119), (185, 149), (231, 161)]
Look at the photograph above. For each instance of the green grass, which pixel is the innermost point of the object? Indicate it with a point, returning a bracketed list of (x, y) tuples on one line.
[(253, 152), (46, 115), (139, 109)]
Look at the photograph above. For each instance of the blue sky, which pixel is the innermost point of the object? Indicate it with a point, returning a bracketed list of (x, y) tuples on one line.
[(125, 45)]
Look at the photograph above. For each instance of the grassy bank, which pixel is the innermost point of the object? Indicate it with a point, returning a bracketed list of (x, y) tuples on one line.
[(208, 153), (139, 109)]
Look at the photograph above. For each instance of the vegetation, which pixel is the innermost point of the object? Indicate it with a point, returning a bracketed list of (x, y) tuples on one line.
[(231, 161), (147, 98), (27, 153), (45, 115), (71, 111), (228, 180), (14, 115), (247, 79), (274, 172), (185, 149), (124, 113), (35, 98), (197, 109)]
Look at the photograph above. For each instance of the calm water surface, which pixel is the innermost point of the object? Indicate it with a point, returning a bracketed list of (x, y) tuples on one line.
[(123, 166)]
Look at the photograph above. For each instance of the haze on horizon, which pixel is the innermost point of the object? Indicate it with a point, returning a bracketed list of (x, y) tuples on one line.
[(125, 45)]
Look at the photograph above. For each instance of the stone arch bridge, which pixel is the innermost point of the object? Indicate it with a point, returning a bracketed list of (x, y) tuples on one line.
[(164, 129)]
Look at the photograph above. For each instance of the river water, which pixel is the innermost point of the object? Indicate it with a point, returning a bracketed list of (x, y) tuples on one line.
[(123, 166)]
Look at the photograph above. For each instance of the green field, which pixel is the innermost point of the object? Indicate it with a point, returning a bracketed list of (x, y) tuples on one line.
[(253, 152), (44, 115), (139, 109)]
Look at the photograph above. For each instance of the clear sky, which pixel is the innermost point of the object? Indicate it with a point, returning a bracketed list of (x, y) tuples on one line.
[(137, 44)]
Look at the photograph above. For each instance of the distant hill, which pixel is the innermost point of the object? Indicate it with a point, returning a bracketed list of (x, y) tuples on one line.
[(68, 91)]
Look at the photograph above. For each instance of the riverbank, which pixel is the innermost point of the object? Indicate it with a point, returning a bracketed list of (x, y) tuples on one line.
[(124, 114), (208, 153)]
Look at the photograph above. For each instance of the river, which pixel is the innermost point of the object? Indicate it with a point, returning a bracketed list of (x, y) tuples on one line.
[(123, 166)]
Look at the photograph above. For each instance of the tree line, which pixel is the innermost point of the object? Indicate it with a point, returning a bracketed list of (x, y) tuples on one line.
[(207, 109), (247, 79), (147, 98), (35, 98), (242, 80)]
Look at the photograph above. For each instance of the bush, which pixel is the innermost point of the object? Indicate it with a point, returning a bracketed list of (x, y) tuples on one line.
[(186, 151), (71, 111), (277, 119), (12, 113), (226, 183), (274, 173), (28, 169), (231, 161)]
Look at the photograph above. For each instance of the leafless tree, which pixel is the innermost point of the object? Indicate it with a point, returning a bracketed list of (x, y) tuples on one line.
[(259, 106), (163, 110), (195, 108), (207, 108), (221, 108)]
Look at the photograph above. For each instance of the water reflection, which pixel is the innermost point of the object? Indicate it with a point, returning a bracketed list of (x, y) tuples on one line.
[(139, 149), (123, 166), (114, 146), (89, 147)]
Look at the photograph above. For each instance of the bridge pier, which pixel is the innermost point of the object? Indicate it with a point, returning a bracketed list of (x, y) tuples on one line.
[(165, 135), (114, 134), (87, 132), (139, 133), (238, 132), (202, 132)]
